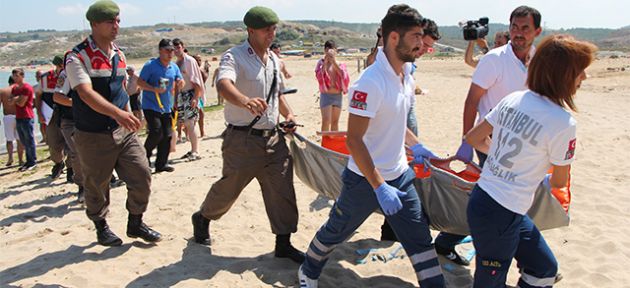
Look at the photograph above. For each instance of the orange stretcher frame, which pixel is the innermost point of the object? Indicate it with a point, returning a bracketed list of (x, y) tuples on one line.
[(336, 141)]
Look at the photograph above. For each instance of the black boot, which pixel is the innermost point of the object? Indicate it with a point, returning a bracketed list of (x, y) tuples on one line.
[(70, 175), (284, 249), (200, 228), (137, 229), (80, 195), (105, 236), (56, 170)]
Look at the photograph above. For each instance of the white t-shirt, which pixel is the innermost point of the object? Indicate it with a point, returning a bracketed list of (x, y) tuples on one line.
[(378, 94), (500, 72), (530, 133)]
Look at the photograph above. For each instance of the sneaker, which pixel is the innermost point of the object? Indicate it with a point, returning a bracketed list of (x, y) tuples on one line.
[(193, 156), (165, 168), (452, 255), (115, 182), (22, 167), (29, 167), (56, 170), (186, 155), (306, 282)]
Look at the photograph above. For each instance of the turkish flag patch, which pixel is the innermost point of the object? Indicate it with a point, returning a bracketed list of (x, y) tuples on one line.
[(359, 100), (571, 150)]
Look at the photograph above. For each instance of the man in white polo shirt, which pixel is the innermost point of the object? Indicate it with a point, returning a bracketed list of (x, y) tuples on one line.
[(500, 72), (377, 175)]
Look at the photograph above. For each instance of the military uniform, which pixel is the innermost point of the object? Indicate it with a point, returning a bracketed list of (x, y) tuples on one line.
[(101, 144), (66, 124), (259, 152)]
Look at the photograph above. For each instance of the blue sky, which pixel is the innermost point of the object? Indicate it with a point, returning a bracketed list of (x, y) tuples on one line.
[(22, 15)]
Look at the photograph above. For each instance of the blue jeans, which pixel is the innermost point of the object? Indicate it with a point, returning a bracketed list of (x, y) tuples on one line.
[(412, 121), (24, 129), (356, 202), (501, 235)]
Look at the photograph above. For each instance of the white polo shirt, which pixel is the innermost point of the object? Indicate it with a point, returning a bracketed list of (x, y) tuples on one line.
[(500, 72), (530, 133), (380, 95)]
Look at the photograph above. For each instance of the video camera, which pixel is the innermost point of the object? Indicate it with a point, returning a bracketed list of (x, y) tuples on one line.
[(475, 29)]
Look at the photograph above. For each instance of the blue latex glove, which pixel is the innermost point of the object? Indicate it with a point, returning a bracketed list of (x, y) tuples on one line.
[(388, 198), (547, 182), (420, 152), (464, 152)]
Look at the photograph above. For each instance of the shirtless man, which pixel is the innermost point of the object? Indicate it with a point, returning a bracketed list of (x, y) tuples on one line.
[(10, 132)]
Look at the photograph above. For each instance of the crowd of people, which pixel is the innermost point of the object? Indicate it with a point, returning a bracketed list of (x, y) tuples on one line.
[(92, 105)]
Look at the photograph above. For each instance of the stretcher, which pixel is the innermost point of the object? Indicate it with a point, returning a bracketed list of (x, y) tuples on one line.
[(443, 191)]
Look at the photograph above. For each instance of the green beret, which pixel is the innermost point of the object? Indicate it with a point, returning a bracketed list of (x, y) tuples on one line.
[(102, 10), (260, 17), (57, 60)]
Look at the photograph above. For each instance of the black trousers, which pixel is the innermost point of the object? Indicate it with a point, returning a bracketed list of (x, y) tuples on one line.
[(160, 128)]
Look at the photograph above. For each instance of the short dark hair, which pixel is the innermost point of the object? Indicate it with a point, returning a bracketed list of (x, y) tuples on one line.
[(330, 44), (524, 11), (431, 29), (179, 42), (558, 62), (400, 18), (274, 45), (18, 71), (11, 81)]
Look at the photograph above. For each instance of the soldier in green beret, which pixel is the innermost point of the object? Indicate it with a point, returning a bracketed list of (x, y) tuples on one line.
[(253, 146), (105, 128)]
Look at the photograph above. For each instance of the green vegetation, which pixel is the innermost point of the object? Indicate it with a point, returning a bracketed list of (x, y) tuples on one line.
[(39, 46), (212, 108)]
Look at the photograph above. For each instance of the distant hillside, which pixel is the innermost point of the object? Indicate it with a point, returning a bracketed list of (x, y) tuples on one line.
[(39, 46)]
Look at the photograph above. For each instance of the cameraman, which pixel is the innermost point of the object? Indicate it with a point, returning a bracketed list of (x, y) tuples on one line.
[(500, 38)]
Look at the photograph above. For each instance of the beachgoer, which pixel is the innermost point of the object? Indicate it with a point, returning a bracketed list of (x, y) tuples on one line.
[(333, 79), (213, 83), (10, 131), (41, 120), (22, 96), (519, 159), (187, 101), (205, 73), (158, 80), (133, 90), (252, 145), (105, 129), (377, 175), (275, 48)]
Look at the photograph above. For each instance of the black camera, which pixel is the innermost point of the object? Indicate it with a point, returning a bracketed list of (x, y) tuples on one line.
[(475, 29)]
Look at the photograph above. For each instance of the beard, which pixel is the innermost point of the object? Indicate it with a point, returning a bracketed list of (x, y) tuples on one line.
[(521, 44), (405, 53)]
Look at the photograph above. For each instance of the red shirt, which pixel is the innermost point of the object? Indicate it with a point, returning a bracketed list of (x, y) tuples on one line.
[(26, 111)]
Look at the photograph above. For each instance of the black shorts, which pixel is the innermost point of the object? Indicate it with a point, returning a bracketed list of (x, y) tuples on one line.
[(134, 103)]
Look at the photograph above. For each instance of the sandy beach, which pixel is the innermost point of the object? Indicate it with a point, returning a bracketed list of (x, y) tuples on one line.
[(47, 241)]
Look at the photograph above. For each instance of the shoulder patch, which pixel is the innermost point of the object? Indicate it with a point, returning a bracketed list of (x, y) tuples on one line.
[(359, 100)]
